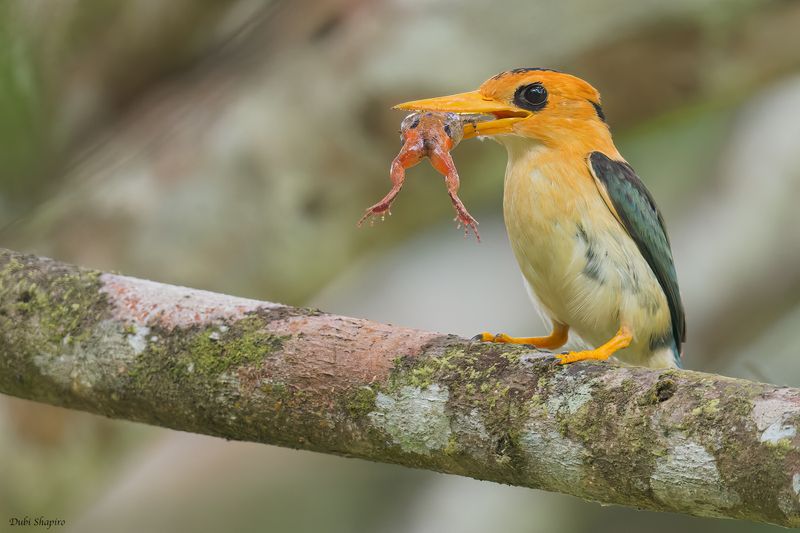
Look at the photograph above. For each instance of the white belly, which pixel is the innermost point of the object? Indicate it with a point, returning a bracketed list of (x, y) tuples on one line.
[(584, 270)]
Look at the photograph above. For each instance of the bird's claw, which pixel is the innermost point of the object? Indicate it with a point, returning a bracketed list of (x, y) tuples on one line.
[(488, 337), (563, 358), (484, 337)]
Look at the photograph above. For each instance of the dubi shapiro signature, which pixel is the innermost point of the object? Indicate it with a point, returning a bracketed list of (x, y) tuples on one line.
[(38, 521)]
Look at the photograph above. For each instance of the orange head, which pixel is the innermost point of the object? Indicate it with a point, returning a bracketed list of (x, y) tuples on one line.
[(547, 106)]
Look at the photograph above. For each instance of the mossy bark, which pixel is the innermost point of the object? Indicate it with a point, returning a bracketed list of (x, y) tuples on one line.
[(247, 370)]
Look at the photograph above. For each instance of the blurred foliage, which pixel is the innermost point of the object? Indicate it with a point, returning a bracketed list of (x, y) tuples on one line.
[(68, 67), (23, 117), (54, 459)]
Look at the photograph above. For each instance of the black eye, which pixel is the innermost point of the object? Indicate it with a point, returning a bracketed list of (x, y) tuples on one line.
[(532, 97), (447, 130)]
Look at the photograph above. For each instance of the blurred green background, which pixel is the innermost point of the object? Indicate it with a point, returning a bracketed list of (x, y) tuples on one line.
[(232, 145)]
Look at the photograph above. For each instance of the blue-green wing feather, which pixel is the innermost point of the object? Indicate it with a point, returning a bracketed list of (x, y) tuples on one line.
[(643, 221)]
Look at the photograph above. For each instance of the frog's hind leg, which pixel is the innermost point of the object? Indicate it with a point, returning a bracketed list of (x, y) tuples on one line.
[(443, 163), (397, 173)]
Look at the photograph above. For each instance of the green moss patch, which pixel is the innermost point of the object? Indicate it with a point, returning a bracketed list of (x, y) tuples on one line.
[(202, 354), (45, 308)]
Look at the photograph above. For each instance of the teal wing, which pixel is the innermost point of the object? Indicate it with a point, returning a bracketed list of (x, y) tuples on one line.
[(635, 208)]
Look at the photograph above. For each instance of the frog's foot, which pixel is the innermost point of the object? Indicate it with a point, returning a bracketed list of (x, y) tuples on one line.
[(464, 218), (469, 223), (381, 209)]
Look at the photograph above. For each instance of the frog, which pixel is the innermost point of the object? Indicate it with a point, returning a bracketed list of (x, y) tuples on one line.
[(428, 135)]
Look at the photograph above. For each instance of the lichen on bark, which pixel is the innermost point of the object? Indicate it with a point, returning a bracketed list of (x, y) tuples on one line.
[(49, 315)]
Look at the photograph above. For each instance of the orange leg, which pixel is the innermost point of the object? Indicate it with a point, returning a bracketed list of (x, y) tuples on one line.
[(443, 163), (556, 339), (407, 158), (619, 341)]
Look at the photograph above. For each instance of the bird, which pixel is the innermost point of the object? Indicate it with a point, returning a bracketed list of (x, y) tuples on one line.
[(587, 235)]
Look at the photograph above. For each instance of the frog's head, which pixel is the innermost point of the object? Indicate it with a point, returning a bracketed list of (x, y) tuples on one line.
[(430, 121)]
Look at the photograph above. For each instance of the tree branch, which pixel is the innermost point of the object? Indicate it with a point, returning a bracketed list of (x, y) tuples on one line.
[(247, 370)]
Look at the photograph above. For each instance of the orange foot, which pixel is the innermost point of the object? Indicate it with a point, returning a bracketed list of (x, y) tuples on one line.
[(556, 339), (621, 340)]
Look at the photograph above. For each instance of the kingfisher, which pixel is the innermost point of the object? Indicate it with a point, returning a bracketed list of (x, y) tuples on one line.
[(587, 234)]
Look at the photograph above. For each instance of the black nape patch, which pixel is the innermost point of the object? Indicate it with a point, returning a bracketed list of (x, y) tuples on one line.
[(521, 70), (598, 110)]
